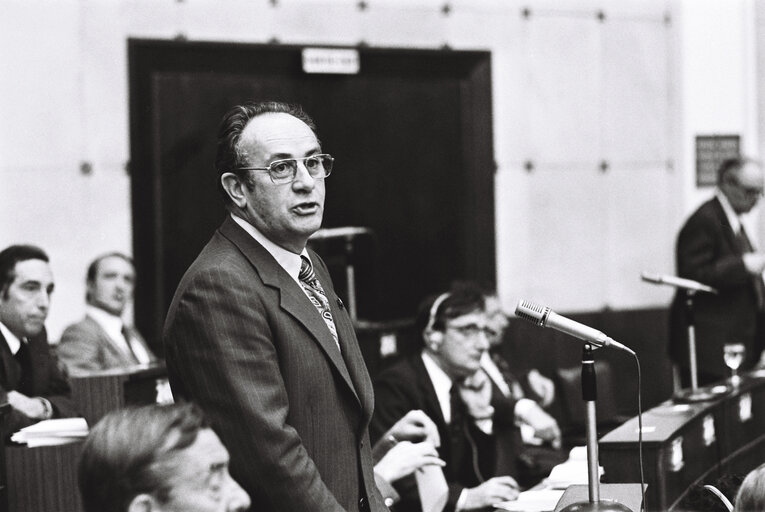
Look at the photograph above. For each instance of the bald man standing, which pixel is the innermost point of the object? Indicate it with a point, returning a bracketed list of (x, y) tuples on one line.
[(714, 248)]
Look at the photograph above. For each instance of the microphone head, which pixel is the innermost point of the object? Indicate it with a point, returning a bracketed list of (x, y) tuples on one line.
[(531, 312)]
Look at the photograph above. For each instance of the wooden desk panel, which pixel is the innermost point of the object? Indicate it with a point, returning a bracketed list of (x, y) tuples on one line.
[(97, 393), (43, 479), (670, 429)]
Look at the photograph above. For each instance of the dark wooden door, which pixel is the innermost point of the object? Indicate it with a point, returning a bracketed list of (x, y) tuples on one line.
[(411, 135)]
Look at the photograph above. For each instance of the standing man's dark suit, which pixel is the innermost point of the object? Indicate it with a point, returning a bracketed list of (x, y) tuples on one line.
[(244, 340), (708, 251), (407, 385), (37, 374)]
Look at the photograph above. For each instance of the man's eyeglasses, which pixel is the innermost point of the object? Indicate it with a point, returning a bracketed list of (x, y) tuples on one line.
[(472, 330), (748, 191), (284, 171)]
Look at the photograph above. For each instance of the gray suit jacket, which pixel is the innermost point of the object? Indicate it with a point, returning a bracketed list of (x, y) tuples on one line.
[(85, 346), (244, 342)]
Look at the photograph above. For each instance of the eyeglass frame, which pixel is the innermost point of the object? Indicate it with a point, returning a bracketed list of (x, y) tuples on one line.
[(472, 330), (747, 191), (323, 156)]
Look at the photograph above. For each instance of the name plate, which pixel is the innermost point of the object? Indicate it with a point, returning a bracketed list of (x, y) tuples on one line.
[(339, 61)]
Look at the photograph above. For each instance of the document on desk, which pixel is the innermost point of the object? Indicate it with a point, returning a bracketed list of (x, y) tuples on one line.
[(52, 432), (533, 501)]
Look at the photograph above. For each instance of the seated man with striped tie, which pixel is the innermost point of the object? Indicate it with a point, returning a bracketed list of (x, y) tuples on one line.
[(102, 340)]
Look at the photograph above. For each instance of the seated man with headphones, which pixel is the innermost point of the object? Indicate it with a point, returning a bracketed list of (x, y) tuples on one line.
[(478, 440)]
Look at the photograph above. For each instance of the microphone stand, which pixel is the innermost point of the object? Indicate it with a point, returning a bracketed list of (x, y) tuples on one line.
[(694, 394), (589, 395)]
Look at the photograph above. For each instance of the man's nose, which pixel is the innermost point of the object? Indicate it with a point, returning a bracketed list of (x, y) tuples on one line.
[(43, 300), (482, 340), (239, 499), (303, 178)]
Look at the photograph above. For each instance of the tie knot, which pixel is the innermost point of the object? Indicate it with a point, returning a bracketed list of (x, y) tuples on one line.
[(306, 270)]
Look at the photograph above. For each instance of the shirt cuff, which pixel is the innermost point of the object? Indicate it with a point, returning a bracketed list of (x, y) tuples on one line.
[(461, 501), (47, 408), (522, 408)]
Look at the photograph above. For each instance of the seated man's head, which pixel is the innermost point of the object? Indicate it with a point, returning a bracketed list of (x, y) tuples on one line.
[(456, 329), (157, 458), (26, 284), (110, 281)]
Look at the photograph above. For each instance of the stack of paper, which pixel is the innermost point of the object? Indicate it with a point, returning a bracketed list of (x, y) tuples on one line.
[(52, 432)]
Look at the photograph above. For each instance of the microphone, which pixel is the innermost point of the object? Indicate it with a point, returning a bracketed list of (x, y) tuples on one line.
[(677, 282), (543, 316)]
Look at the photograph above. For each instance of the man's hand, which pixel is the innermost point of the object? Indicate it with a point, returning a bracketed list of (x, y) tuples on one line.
[(30, 407), (475, 392), (405, 458), (542, 386), (494, 490), (754, 262), (415, 426), (545, 427)]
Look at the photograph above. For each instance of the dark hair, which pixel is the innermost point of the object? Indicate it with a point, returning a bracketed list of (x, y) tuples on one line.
[(11, 256), (124, 453), (229, 156), (462, 298), (90, 277)]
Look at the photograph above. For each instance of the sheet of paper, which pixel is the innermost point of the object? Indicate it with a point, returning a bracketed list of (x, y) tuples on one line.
[(533, 501)]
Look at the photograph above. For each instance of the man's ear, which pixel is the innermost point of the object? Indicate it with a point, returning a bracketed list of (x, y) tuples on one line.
[(143, 503), (433, 339), (234, 187)]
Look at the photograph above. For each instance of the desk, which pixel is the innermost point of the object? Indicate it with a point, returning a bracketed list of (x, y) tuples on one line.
[(97, 393), (688, 444), (43, 479)]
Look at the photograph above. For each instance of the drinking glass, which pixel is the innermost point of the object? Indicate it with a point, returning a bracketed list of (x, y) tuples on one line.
[(733, 355)]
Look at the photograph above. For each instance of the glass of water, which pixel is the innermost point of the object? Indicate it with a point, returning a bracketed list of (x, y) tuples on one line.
[(733, 355)]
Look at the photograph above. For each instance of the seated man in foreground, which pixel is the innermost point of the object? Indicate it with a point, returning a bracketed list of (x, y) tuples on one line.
[(445, 381), (157, 458)]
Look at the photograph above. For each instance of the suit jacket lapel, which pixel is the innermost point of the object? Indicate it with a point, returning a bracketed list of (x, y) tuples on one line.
[(293, 299), (10, 368), (351, 353), (115, 352)]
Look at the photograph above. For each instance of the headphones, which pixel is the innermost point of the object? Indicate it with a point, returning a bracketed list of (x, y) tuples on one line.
[(432, 336)]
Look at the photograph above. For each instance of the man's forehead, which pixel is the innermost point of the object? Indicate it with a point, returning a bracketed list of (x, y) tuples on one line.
[(750, 174), (469, 318), (33, 270)]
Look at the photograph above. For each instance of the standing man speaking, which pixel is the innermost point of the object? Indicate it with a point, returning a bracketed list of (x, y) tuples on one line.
[(257, 336)]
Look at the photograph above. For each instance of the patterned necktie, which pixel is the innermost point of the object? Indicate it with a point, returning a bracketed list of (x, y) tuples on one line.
[(315, 292), (745, 245)]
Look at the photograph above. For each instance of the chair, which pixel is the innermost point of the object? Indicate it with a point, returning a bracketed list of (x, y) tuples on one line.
[(569, 388)]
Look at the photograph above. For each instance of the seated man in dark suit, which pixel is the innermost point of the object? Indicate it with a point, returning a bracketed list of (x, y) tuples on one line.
[(30, 378), (102, 340), (478, 440), (157, 458)]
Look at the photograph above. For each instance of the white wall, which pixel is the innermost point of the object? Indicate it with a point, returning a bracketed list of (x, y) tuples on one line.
[(569, 89)]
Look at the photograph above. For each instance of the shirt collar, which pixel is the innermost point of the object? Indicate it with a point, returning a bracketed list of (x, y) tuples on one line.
[(730, 214), (441, 383), (110, 323), (288, 260), (14, 343)]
